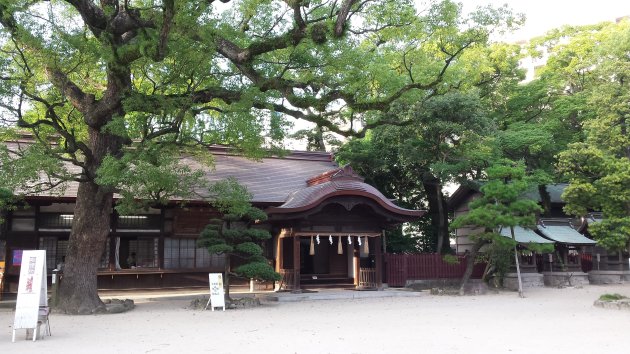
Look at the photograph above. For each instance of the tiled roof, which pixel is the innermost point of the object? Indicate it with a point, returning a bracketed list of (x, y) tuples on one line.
[(342, 182), (459, 196), (523, 235), (270, 179), (564, 234)]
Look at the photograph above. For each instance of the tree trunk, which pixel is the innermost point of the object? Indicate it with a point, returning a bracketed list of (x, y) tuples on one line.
[(470, 263), (518, 267), (90, 227), (78, 293), (545, 199), (226, 280), (438, 213)]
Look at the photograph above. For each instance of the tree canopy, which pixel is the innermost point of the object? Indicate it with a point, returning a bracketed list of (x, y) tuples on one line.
[(110, 87), (598, 167)]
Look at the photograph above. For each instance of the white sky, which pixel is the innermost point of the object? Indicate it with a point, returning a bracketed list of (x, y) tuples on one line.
[(543, 15)]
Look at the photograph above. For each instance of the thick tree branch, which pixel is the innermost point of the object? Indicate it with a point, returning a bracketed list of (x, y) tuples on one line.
[(75, 95), (342, 17), (92, 15)]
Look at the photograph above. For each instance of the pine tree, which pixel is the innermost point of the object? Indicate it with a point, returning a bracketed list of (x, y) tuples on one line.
[(501, 205), (233, 234)]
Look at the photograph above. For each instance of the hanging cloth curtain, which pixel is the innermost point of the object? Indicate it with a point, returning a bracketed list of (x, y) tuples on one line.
[(312, 250), (366, 246), (339, 246)]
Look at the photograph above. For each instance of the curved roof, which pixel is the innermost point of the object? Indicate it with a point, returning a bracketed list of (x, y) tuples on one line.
[(523, 235), (339, 182), (564, 234)]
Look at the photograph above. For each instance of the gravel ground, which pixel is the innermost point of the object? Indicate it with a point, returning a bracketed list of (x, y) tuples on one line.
[(547, 320)]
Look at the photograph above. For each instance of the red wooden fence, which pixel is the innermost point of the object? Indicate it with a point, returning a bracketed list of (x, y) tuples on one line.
[(402, 267)]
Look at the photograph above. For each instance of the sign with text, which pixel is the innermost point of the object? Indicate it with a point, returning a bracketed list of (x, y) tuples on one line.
[(32, 290), (217, 293)]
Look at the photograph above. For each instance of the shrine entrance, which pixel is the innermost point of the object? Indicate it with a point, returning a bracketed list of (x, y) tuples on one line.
[(337, 261), (330, 234)]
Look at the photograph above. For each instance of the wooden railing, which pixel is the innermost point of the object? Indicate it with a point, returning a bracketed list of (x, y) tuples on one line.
[(367, 278), (288, 279)]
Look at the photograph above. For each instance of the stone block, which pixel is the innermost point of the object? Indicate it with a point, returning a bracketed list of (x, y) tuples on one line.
[(608, 276), (560, 279), (529, 280)]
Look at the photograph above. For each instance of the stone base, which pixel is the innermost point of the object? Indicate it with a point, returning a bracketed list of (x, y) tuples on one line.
[(449, 286), (623, 304), (557, 279), (530, 280), (427, 284), (475, 287), (609, 276)]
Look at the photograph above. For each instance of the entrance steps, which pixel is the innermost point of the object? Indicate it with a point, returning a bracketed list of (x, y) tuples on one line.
[(328, 281)]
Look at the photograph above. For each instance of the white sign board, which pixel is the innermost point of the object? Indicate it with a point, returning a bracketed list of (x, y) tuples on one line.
[(217, 293), (32, 290)]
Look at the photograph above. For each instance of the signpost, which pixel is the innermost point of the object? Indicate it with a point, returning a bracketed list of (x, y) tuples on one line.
[(217, 293), (32, 292)]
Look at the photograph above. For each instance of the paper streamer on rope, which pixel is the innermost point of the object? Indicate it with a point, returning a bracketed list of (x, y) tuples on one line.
[(339, 246), (312, 250), (366, 246), (330, 239), (349, 240), (317, 239), (359, 240)]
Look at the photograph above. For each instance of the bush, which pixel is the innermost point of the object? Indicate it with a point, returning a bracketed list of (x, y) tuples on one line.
[(612, 297)]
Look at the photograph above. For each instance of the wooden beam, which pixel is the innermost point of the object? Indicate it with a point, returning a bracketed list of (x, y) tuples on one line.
[(296, 263), (343, 234), (357, 262), (379, 262), (279, 254)]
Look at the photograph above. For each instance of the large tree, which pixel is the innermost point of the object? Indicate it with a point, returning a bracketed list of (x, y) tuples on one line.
[(447, 141), (598, 169), (94, 79)]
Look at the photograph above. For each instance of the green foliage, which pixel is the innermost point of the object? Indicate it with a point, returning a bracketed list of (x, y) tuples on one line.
[(540, 248), (258, 270), (499, 255), (501, 205), (231, 198), (612, 297), (149, 175), (450, 259), (234, 236), (446, 139), (599, 167)]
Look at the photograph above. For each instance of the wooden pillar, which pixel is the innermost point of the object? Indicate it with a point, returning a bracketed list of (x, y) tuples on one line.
[(379, 261), (356, 253), (279, 260), (296, 263), (112, 252)]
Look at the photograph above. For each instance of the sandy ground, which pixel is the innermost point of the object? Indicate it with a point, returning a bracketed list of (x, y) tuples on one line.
[(548, 320)]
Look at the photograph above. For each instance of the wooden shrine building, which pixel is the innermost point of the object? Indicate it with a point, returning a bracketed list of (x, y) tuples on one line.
[(332, 231), (318, 215)]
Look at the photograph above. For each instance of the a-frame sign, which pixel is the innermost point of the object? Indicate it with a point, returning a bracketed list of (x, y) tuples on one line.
[(32, 291)]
